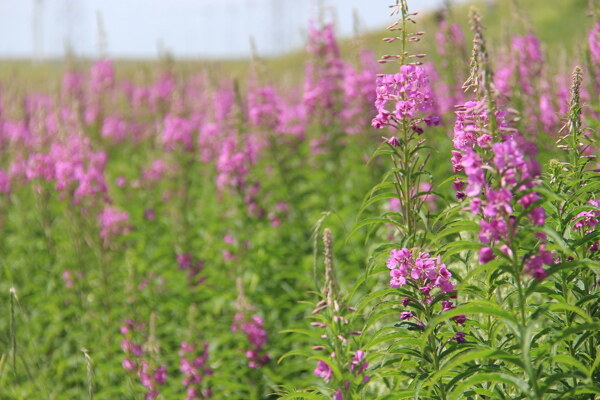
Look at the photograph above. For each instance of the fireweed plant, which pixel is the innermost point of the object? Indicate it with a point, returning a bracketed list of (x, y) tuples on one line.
[(501, 190), (160, 222), (422, 286), (514, 314), (339, 362)]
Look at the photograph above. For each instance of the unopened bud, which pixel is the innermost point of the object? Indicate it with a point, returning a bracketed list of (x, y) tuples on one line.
[(318, 309)]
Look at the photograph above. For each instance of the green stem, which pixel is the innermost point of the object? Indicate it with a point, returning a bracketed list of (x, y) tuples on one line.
[(529, 369)]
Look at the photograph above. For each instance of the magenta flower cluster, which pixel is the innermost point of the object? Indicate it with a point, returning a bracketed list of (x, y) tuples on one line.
[(324, 73), (587, 220), (357, 366), (497, 168), (156, 170), (62, 140), (151, 376), (323, 371), (594, 43), (264, 107), (116, 129), (535, 264), (521, 74), (234, 162), (113, 223), (279, 212), (334, 90), (424, 271), (529, 60), (194, 366), (405, 96), (448, 37), (470, 128), (594, 46), (178, 132), (70, 278), (77, 170), (102, 76), (193, 267), (256, 335), (271, 112), (358, 93)]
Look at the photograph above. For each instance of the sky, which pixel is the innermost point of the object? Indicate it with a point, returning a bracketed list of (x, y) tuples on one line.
[(186, 28)]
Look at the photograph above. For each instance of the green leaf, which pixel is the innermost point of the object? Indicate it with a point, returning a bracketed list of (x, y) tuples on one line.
[(557, 239), (457, 227), (379, 294), (475, 307), (496, 377), (398, 394), (568, 307), (587, 390), (303, 395), (585, 327), (571, 362), (587, 189), (399, 338), (371, 221), (556, 268), (474, 355), (411, 326), (311, 334), (302, 353), (452, 248), (377, 316), (377, 198)]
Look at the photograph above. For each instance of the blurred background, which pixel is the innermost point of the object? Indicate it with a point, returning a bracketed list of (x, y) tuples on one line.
[(41, 39), (191, 29)]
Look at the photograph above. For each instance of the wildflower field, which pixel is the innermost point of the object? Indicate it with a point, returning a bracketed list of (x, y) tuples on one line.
[(416, 219)]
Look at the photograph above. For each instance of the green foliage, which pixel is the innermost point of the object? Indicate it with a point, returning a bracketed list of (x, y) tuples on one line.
[(316, 275)]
